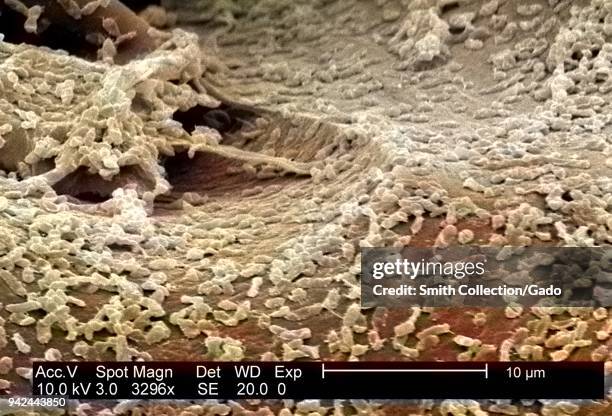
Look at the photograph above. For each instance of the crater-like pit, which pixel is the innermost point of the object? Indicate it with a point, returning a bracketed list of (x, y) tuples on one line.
[(225, 118), (84, 187)]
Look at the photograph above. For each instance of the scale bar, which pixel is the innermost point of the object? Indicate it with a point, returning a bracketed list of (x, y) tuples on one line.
[(485, 370)]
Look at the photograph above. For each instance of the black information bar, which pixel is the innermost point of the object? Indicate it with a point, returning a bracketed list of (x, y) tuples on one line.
[(319, 380)]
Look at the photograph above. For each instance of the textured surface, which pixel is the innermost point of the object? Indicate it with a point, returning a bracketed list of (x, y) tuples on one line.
[(344, 124)]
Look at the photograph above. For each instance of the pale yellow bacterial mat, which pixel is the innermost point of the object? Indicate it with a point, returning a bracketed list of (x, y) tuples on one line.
[(193, 180)]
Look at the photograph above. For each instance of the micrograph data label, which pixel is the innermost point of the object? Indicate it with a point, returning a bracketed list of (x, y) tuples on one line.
[(320, 380)]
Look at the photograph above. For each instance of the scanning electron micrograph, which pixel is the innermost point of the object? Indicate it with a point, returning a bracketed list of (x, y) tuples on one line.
[(195, 181)]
